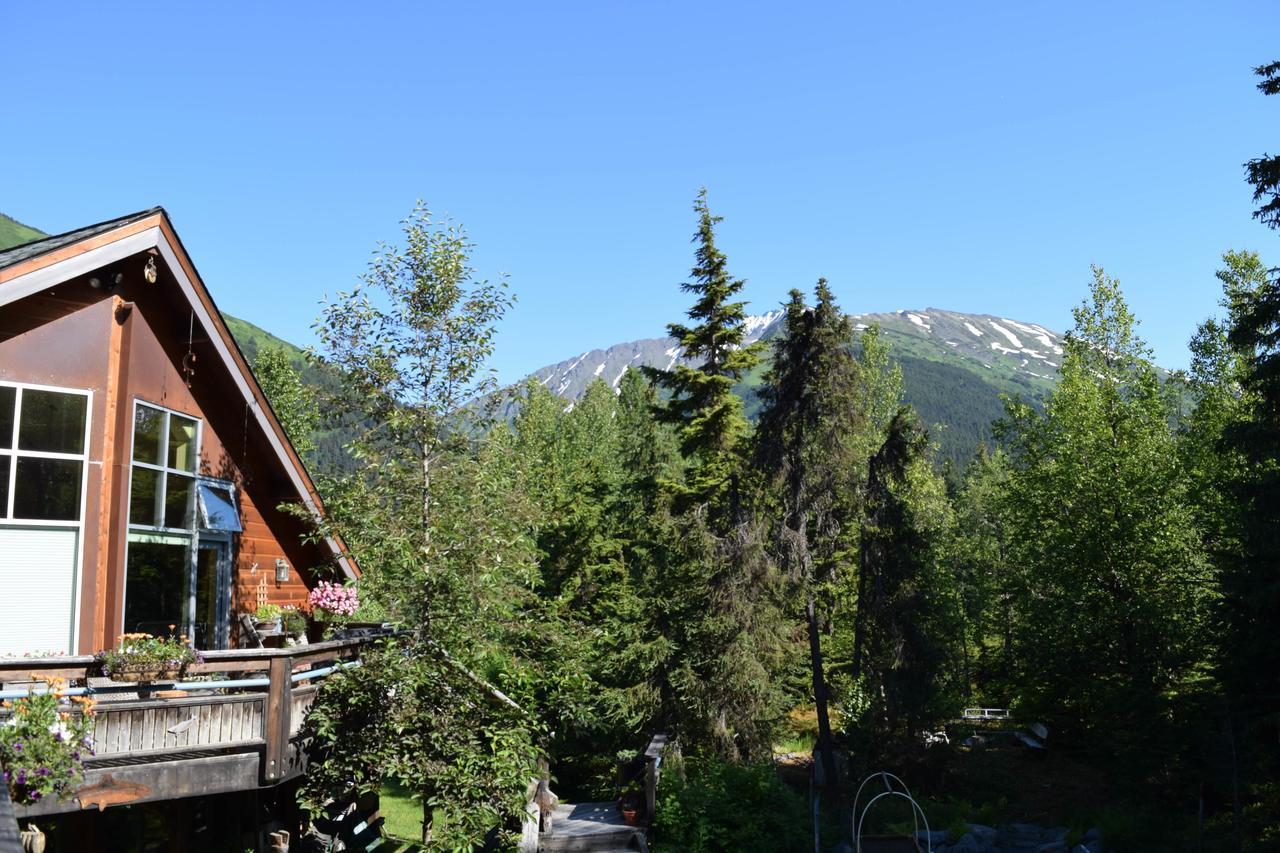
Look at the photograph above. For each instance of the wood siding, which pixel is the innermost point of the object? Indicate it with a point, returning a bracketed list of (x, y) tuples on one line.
[(127, 347)]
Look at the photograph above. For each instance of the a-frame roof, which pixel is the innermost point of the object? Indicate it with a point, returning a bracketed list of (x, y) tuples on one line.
[(36, 266)]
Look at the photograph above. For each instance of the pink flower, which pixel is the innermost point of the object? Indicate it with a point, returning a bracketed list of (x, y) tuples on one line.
[(334, 598)]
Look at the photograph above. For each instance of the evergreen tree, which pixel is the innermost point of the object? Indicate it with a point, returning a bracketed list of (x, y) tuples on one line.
[(904, 607), (1251, 580), (708, 415), (733, 641), (804, 447)]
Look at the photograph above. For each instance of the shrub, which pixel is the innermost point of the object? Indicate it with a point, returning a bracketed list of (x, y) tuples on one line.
[(43, 744), (722, 806)]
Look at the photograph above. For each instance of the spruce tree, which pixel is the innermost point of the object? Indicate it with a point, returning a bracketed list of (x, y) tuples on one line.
[(708, 416), (1251, 579), (804, 448), (730, 641)]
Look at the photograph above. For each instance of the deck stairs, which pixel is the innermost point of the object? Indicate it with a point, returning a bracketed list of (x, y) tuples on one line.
[(595, 827)]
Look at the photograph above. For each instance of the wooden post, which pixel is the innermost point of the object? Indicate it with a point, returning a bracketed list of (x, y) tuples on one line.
[(276, 728), (652, 760), (10, 841)]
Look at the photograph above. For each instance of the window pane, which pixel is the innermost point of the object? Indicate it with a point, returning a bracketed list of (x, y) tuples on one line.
[(7, 397), (179, 501), (182, 443), (52, 421), (142, 497), (146, 435), (47, 489), (155, 593), (5, 462), (206, 621)]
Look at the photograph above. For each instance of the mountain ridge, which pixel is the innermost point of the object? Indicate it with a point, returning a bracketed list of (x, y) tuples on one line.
[(956, 366)]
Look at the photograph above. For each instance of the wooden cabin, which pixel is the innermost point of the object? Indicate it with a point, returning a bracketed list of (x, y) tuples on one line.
[(142, 472), (141, 467)]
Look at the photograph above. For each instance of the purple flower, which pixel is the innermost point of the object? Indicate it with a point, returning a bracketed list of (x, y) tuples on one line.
[(43, 771), (35, 795), (6, 775), (22, 777), (17, 746)]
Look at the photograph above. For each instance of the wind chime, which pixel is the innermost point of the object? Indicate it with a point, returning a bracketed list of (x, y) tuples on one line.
[(189, 360)]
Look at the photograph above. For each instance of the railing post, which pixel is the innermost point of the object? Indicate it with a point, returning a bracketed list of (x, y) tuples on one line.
[(279, 707), (650, 786)]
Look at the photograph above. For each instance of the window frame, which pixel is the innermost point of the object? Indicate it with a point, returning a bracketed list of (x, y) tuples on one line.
[(9, 456)]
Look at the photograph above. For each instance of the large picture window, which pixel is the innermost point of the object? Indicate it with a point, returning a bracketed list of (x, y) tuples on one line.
[(178, 568)]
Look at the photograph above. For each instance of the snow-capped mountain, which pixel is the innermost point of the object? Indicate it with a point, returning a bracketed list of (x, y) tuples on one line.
[(1008, 348)]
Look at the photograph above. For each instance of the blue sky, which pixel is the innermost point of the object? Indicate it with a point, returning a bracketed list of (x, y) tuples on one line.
[(970, 156)]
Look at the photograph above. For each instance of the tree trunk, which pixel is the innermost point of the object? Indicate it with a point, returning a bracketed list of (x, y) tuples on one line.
[(826, 750), (426, 820), (859, 613)]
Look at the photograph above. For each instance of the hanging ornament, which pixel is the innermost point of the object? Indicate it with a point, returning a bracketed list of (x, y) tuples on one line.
[(189, 360), (149, 271)]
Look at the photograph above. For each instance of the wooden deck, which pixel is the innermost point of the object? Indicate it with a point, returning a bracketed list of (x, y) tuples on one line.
[(590, 826), (232, 725)]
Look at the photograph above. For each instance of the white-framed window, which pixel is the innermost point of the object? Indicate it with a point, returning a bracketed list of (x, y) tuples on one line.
[(44, 444), (181, 523), (44, 441)]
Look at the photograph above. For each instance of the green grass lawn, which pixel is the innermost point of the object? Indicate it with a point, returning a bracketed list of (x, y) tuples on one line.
[(402, 816)]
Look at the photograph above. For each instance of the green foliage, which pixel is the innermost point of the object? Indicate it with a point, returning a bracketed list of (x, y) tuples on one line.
[(730, 640), (439, 529), (414, 717), (709, 417), (291, 399), (43, 744), (725, 806), (1114, 586), (906, 614), (145, 652), (14, 233)]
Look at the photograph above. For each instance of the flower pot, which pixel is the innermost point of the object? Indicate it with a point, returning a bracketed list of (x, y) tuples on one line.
[(268, 625), (144, 673), (630, 817)]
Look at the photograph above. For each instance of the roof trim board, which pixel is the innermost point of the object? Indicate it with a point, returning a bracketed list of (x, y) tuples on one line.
[(40, 272)]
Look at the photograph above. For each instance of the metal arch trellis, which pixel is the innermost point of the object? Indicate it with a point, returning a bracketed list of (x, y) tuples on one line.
[(917, 813)]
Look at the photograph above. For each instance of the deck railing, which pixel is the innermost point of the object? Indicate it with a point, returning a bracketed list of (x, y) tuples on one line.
[(230, 724)]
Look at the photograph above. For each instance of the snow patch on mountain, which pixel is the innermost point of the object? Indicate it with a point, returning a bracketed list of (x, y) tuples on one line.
[(920, 320), (974, 329), (1013, 339), (756, 325)]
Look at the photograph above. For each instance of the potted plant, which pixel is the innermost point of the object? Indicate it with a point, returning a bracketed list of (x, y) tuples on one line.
[(267, 617), (294, 625), (44, 739), (142, 657), (333, 602), (631, 803)]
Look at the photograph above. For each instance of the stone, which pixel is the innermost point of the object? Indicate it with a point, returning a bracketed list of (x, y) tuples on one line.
[(988, 835), (1057, 833), (934, 838), (968, 844), (1053, 847)]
